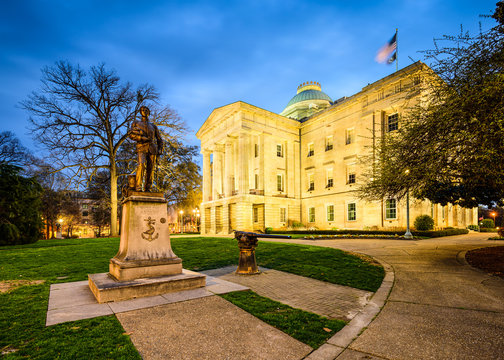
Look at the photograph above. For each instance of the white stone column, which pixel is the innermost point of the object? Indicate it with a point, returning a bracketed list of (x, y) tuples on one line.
[(228, 169), (244, 156), (217, 174), (207, 178)]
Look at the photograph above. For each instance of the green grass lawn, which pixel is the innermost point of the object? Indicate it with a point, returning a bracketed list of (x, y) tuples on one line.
[(22, 319)]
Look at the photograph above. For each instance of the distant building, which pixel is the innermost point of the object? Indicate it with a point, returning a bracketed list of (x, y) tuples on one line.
[(262, 169)]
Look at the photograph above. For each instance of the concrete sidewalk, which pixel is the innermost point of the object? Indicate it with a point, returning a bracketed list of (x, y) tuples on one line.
[(439, 307)]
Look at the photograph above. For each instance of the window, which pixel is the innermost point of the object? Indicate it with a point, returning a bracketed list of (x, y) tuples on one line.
[(432, 210), (311, 214), (85, 213), (280, 186), (352, 212), (416, 80), (330, 181), (283, 215), (330, 212), (397, 87), (311, 182), (279, 150), (390, 209), (328, 143), (351, 178), (311, 149), (256, 181), (84, 206), (393, 122), (380, 95), (255, 212), (349, 136), (256, 150)]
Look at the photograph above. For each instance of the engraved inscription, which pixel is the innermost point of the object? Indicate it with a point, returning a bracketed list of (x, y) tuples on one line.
[(162, 220), (149, 234)]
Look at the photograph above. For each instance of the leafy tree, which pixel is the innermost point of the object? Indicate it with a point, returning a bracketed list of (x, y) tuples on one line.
[(487, 224), (450, 147), (20, 220), (82, 117)]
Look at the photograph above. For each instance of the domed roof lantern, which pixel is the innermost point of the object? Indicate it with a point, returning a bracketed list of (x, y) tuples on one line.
[(309, 100)]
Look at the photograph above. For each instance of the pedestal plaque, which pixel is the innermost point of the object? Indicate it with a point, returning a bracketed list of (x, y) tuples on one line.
[(145, 264)]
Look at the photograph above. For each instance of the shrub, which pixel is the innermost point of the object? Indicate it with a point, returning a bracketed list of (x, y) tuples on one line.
[(424, 222), (501, 232), (473, 227), (487, 224), (268, 230)]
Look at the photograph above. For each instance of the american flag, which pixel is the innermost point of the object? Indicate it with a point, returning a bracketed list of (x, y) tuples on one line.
[(384, 54)]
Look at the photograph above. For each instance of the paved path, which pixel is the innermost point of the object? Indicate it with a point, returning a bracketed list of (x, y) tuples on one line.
[(323, 298), (439, 307)]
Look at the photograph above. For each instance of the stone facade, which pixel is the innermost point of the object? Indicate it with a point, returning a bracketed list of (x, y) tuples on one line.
[(262, 169)]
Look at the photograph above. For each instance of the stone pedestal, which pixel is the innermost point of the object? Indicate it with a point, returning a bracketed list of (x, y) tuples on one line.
[(247, 264), (145, 264)]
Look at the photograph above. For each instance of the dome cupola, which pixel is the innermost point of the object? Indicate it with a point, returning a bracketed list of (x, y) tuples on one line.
[(309, 100)]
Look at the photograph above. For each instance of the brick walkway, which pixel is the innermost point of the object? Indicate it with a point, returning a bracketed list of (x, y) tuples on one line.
[(329, 300)]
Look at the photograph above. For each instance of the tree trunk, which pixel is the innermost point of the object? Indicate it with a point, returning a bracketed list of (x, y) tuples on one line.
[(113, 198)]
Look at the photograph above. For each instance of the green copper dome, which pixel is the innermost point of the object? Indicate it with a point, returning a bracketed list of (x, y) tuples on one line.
[(309, 95), (309, 100)]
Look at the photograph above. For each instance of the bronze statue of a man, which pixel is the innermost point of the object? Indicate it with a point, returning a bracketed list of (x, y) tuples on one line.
[(149, 146)]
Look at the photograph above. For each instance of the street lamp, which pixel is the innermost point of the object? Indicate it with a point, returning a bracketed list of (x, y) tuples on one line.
[(407, 234), (493, 214), (181, 212)]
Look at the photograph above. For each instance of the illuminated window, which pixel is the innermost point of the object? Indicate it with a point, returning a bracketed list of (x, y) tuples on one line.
[(311, 182), (84, 206), (311, 149), (329, 143), (280, 186), (311, 214), (279, 150), (330, 212), (351, 212), (329, 176), (283, 214), (349, 136), (393, 122), (390, 209)]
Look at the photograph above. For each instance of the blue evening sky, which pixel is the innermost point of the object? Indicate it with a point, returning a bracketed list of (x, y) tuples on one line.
[(204, 54)]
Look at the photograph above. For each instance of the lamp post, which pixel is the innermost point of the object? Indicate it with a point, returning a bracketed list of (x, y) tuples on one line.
[(493, 214), (181, 212), (407, 234)]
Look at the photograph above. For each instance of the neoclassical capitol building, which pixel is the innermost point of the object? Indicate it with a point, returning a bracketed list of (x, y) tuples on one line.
[(262, 169)]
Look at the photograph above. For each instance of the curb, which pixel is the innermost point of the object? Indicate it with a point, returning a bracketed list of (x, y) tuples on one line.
[(341, 340)]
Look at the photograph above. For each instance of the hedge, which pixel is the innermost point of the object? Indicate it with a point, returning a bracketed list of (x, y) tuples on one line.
[(430, 233)]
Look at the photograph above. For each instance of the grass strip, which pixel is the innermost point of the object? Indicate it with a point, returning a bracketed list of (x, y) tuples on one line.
[(307, 327), (24, 334)]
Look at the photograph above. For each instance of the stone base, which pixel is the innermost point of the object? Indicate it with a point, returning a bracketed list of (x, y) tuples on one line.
[(106, 289), (131, 270)]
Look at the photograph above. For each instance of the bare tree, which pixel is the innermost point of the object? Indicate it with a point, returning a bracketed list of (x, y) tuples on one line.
[(12, 151), (82, 117)]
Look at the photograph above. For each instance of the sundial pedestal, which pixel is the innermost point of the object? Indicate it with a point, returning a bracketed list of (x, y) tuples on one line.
[(145, 264)]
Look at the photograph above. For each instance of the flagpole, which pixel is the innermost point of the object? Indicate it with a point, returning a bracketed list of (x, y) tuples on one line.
[(396, 52)]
